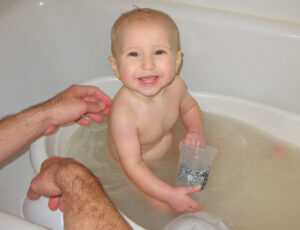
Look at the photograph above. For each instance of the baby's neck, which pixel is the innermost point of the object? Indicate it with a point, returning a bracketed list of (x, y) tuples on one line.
[(145, 98)]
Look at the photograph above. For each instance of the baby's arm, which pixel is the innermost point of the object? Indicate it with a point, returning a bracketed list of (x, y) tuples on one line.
[(192, 119), (125, 136)]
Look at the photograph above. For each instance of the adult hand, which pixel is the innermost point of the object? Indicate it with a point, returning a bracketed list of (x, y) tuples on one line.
[(74, 103), (58, 202), (86, 206), (44, 184)]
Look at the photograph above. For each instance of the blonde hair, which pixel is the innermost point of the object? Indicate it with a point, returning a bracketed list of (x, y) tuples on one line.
[(142, 14)]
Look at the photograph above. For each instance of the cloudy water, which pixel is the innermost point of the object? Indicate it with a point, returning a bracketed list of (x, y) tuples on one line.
[(254, 181)]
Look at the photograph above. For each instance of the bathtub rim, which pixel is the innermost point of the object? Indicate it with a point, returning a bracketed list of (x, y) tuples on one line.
[(239, 108)]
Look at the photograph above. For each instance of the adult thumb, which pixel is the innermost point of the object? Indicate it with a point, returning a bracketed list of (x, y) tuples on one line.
[(95, 107)]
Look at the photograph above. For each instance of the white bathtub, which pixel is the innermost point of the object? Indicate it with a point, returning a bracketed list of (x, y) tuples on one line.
[(248, 50), (276, 122)]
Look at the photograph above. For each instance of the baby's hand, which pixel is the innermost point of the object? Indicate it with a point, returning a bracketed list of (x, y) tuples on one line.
[(195, 138), (181, 202)]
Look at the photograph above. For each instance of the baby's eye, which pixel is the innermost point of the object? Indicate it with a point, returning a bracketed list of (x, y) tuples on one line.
[(160, 52), (133, 54)]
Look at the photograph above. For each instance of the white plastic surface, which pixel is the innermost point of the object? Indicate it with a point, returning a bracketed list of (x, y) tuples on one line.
[(38, 212), (9, 221), (42, 217), (196, 221)]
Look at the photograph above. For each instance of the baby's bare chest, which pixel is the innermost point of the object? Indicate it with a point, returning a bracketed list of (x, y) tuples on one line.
[(157, 121)]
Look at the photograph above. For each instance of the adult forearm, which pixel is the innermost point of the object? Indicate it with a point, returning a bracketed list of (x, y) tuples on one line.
[(86, 206), (69, 105), (20, 129)]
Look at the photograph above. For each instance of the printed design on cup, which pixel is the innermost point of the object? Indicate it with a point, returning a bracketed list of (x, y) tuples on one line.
[(194, 177)]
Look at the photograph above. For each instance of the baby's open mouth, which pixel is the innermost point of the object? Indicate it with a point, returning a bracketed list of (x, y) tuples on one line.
[(148, 80)]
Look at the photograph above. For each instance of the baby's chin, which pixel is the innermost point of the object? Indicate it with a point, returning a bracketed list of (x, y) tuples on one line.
[(149, 92)]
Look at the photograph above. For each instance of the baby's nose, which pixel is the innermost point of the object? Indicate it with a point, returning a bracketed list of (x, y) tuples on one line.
[(148, 63)]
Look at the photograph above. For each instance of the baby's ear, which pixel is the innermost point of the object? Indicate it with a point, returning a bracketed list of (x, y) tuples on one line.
[(178, 60), (113, 65)]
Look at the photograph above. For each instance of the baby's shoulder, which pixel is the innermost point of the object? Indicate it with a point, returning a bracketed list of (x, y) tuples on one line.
[(122, 97), (121, 104), (179, 82), (121, 114), (178, 85)]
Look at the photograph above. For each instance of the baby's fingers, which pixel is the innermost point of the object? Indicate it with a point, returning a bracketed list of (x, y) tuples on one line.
[(202, 142), (194, 140), (194, 188), (194, 206)]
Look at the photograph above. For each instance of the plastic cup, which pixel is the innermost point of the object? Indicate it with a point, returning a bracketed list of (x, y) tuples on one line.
[(194, 164)]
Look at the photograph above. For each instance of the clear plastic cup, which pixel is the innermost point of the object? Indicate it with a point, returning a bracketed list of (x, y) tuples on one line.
[(194, 164)]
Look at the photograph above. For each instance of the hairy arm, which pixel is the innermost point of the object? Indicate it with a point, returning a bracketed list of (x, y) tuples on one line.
[(86, 206), (21, 129)]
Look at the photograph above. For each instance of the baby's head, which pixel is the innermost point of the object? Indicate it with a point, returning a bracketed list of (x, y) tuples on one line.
[(143, 16), (146, 51)]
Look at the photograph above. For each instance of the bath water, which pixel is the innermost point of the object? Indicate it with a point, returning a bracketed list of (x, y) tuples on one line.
[(254, 181)]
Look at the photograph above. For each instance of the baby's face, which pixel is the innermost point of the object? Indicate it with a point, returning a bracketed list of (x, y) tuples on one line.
[(146, 57)]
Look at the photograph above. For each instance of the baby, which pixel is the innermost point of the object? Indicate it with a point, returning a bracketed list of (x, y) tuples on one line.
[(146, 58)]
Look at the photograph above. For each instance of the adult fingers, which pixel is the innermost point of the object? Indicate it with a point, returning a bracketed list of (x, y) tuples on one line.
[(54, 202), (95, 107), (86, 91), (49, 161), (32, 195), (102, 96), (105, 111), (95, 100), (92, 112), (83, 121), (61, 205), (94, 116)]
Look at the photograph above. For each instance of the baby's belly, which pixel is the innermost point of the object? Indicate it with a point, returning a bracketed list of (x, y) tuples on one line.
[(156, 152), (151, 153)]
